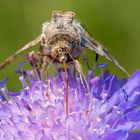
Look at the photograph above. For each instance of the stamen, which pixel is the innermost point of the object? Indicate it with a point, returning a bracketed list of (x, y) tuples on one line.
[(102, 66), (119, 112), (3, 90), (26, 105), (2, 82), (5, 94), (96, 95), (14, 93), (2, 98), (125, 95), (23, 81), (19, 68), (107, 79)]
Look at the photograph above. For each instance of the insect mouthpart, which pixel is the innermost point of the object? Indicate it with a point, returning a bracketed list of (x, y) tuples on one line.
[(61, 51), (62, 54), (63, 58)]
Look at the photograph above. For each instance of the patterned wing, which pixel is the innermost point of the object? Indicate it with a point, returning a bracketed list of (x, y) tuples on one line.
[(14, 56), (95, 46)]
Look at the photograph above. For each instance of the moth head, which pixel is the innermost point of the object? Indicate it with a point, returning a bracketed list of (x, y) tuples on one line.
[(61, 49), (63, 16)]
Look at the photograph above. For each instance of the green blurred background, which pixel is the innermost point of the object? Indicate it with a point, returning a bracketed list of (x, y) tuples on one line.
[(115, 23)]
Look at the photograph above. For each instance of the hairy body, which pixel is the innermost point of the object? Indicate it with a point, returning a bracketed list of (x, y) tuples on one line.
[(63, 40)]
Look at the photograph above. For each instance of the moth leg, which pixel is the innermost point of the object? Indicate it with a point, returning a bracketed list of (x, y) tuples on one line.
[(86, 59), (45, 64), (95, 46), (95, 62), (20, 51), (79, 70), (82, 77), (40, 62), (35, 61)]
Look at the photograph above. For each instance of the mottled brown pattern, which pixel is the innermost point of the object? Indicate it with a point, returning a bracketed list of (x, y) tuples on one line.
[(63, 40)]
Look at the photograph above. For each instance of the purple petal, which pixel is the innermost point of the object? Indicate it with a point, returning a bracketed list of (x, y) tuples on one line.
[(134, 136), (117, 135)]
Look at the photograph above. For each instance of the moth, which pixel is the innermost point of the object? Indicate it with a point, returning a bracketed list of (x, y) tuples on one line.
[(63, 40)]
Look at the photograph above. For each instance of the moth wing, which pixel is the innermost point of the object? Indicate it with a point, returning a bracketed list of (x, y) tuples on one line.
[(95, 46), (10, 59)]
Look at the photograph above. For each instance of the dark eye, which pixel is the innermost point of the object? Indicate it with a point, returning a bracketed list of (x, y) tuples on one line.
[(63, 49)]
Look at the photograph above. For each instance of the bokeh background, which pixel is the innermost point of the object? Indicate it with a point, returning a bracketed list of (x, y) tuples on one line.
[(115, 23)]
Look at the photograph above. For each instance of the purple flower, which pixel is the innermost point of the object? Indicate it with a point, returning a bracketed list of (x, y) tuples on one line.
[(110, 112)]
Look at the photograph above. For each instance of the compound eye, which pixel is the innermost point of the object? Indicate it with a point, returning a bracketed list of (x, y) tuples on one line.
[(70, 14), (57, 14)]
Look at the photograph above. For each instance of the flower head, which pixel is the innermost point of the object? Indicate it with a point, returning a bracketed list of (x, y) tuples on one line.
[(110, 111)]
